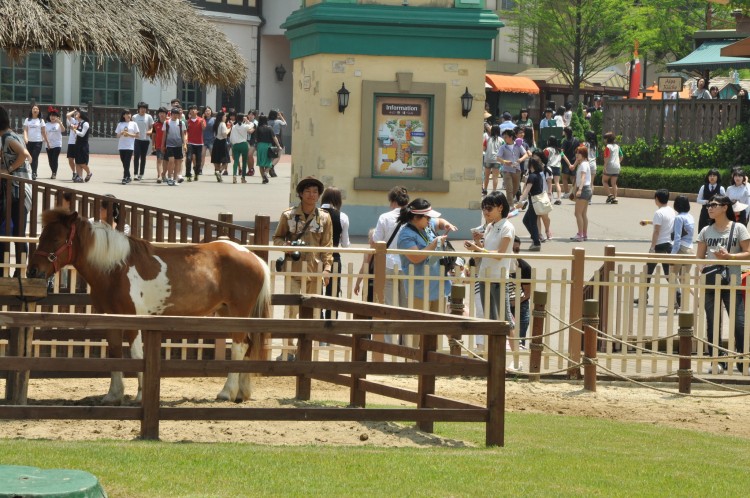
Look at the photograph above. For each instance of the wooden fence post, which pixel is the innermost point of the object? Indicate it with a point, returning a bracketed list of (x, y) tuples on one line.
[(590, 323), (685, 332), (576, 310), (537, 330), (262, 234), (426, 383), (19, 344), (495, 429), (225, 218), (304, 353), (151, 384), (456, 306)]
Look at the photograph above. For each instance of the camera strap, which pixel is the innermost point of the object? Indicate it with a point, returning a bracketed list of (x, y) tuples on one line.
[(305, 227), (393, 235)]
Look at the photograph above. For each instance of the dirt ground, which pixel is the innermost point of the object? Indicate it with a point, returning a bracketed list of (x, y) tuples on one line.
[(611, 401)]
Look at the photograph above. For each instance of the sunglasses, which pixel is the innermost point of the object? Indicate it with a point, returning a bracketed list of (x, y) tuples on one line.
[(713, 204)]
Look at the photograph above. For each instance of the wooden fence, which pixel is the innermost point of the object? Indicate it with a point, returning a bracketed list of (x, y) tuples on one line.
[(424, 362), (670, 121)]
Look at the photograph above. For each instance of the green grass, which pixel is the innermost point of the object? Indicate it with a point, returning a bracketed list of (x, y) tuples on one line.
[(545, 455)]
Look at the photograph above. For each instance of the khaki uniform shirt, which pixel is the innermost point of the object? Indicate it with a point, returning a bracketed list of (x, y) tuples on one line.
[(318, 234)]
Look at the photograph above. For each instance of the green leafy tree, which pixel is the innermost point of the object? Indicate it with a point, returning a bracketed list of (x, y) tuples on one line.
[(578, 122), (578, 38)]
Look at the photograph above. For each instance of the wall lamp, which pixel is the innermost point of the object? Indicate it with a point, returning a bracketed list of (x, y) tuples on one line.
[(467, 100), (280, 72), (343, 95)]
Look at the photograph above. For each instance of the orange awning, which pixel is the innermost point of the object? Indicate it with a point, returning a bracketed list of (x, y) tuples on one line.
[(514, 84)]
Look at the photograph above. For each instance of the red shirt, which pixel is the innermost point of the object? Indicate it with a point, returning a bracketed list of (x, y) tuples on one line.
[(158, 134), (195, 131)]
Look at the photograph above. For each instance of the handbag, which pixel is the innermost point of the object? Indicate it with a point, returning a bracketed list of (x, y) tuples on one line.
[(541, 203), (273, 152), (719, 274), (449, 262)]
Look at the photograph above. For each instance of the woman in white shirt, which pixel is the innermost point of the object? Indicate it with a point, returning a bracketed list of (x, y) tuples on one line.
[(126, 132), (219, 149), (72, 118), (583, 194), (240, 148), (497, 237), (34, 134), (54, 129), (739, 191)]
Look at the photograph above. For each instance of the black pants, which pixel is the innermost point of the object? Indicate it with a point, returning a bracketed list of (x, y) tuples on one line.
[(328, 290), (52, 156), (19, 229), (710, 301), (139, 156), (34, 148), (665, 248), (529, 221), (125, 157), (197, 151)]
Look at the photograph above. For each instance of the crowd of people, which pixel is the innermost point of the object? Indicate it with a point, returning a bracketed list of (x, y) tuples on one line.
[(181, 142)]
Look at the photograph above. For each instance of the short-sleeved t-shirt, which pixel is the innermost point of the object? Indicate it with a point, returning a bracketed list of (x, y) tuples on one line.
[(580, 170), (715, 239), (54, 135), (145, 123), (126, 143), (664, 217), (494, 233), (537, 183), (409, 237)]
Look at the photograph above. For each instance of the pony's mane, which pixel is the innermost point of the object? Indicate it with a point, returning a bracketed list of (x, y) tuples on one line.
[(108, 248)]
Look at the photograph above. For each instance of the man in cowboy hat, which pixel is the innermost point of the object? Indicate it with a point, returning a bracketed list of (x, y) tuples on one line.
[(312, 226)]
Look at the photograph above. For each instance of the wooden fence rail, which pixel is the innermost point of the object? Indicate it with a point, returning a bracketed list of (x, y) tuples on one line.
[(430, 408), (670, 121)]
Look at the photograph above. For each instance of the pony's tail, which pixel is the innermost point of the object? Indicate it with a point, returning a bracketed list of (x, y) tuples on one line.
[(262, 309)]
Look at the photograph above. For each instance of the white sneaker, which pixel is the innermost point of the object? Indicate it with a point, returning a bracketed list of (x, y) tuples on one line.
[(565, 195), (719, 369), (514, 368)]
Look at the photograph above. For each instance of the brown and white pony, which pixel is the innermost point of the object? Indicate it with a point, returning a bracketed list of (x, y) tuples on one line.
[(130, 276)]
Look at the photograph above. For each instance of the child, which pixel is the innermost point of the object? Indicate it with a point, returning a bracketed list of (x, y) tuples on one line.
[(554, 156)]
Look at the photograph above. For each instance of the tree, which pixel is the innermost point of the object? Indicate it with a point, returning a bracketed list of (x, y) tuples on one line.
[(578, 38)]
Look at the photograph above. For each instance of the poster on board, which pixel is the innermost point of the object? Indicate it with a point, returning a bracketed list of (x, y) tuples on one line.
[(402, 138)]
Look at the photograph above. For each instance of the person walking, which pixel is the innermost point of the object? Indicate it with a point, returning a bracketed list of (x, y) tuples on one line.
[(72, 118), (83, 132), (386, 230), (219, 149), (240, 149), (126, 132), (252, 142), (534, 186), (682, 239), (331, 202), (583, 193), (612, 159), (208, 135), (173, 146), (510, 156), (491, 164), (724, 240), (265, 139), (711, 187), (157, 134), (277, 121), (34, 135), (54, 129), (145, 123), (554, 155), (195, 126), (661, 236), (569, 146)]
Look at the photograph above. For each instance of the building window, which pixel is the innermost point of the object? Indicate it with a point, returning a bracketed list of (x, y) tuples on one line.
[(508, 5), (247, 7), (190, 92), (32, 78), (111, 84)]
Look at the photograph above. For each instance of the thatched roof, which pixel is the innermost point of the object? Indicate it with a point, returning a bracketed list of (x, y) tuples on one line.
[(152, 35)]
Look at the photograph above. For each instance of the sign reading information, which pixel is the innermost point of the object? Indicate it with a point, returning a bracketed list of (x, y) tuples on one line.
[(402, 137)]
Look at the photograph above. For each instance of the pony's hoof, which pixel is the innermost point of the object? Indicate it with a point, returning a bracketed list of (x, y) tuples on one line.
[(111, 401), (225, 396)]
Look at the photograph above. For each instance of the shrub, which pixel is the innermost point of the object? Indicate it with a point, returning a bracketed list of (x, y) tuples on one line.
[(578, 123), (684, 180)]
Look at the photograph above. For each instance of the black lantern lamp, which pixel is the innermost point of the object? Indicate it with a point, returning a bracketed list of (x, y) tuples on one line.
[(467, 100), (343, 95), (280, 72)]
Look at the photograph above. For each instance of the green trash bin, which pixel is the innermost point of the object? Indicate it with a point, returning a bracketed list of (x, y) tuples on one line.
[(28, 482)]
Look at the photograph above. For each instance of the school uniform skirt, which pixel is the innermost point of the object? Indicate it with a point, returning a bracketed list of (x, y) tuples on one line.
[(219, 151)]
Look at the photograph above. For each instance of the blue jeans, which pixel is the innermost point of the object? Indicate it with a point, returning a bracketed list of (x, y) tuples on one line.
[(495, 302), (739, 319), (524, 319)]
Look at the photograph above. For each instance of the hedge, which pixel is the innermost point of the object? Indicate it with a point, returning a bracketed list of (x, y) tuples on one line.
[(685, 180)]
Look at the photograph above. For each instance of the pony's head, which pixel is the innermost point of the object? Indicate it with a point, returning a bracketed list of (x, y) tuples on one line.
[(55, 248)]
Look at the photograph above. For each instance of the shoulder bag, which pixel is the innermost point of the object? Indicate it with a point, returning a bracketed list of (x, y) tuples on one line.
[(719, 274), (541, 202)]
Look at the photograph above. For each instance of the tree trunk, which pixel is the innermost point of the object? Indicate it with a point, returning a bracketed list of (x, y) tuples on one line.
[(577, 56)]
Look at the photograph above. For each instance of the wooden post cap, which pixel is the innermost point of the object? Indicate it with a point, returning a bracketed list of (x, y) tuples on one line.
[(686, 319), (458, 292), (591, 308), (540, 297)]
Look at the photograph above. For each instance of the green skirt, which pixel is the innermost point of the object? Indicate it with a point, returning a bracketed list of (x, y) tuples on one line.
[(263, 160)]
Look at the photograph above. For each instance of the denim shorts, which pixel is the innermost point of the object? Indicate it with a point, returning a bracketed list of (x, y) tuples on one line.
[(586, 194)]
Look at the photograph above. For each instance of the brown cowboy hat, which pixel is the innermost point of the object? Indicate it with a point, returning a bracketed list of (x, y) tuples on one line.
[(309, 181)]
